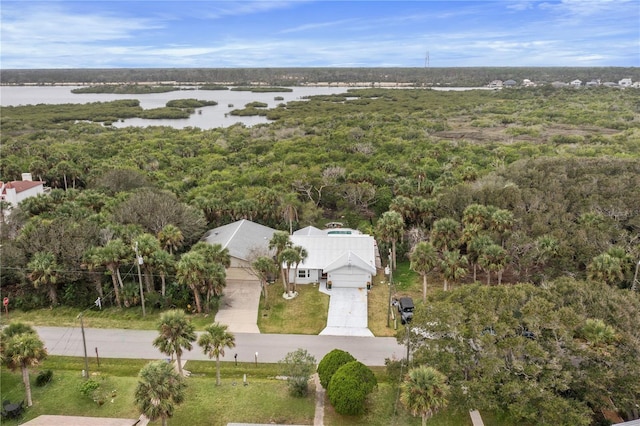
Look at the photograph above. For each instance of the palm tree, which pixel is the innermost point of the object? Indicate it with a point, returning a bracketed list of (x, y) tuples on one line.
[(213, 253), (213, 341), (279, 241), (170, 238), (111, 257), (44, 272), (289, 207), (163, 262), (424, 259), (493, 258), (191, 271), (445, 233), (389, 228), (476, 214), (148, 245), (501, 222), (22, 348), (424, 392), (452, 266), (606, 268), (264, 267), (289, 256), (475, 248), (302, 256), (159, 390), (215, 282), (176, 333)]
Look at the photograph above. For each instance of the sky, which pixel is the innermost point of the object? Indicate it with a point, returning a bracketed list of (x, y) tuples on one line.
[(299, 33)]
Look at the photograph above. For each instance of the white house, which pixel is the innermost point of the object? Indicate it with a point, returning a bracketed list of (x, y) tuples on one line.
[(344, 257), (625, 82), (18, 190), (576, 83)]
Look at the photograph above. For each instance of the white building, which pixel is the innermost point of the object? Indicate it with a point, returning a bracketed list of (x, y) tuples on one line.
[(16, 191), (345, 257)]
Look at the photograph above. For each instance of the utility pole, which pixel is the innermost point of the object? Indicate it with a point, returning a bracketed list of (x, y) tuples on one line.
[(84, 344), (139, 262)]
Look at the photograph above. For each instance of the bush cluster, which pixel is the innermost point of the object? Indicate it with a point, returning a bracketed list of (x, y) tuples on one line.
[(330, 364)]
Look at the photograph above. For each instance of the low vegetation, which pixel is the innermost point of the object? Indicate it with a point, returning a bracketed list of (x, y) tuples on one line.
[(125, 89), (514, 186)]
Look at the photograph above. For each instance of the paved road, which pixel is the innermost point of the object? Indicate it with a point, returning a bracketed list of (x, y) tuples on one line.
[(113, 343)]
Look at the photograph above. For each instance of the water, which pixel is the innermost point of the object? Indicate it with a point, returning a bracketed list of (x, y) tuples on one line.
[(205, 118)]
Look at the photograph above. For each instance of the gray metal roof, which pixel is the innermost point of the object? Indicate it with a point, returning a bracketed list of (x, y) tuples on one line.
[(241, 238)]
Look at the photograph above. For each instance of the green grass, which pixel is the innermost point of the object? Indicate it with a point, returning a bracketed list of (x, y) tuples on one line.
[(306, 314), (126, 318), (264, 400)]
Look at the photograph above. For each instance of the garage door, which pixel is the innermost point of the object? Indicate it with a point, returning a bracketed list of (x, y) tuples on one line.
[(349, 280)]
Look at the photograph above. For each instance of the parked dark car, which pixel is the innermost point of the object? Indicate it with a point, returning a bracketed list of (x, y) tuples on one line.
[(405, 309)]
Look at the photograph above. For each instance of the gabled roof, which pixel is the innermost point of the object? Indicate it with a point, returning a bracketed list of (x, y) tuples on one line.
[(21, 185), (349, 259), (324, 250), (240, 237), (309, 230)]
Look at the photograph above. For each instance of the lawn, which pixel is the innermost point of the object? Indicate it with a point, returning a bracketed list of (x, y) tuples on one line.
[(263, 400), (305, 314), (129, 318)]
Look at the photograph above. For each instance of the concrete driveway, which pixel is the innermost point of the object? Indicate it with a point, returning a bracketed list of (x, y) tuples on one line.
[(239, 306), (347, 312)]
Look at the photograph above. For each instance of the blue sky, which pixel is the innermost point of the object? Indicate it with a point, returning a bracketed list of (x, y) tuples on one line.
[(271, 33)]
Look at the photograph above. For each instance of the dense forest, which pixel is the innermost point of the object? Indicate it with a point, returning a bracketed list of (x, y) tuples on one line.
[(539, 186), (471, 76)]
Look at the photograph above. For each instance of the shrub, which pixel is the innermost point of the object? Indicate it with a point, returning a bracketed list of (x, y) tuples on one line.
[(396, 369), (298, 367), (88, 387), (350, 386), (44, 377), (331, 363)]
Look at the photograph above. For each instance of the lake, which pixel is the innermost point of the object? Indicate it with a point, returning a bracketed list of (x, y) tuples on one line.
[(205, 118)]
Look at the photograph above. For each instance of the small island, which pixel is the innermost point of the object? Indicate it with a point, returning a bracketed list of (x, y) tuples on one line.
[(125, 89), (261, 89)]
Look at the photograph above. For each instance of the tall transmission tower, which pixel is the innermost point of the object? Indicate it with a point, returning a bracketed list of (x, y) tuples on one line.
[(426, 68)]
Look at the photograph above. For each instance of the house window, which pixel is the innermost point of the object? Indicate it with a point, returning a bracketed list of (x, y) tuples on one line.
[(302, 273)]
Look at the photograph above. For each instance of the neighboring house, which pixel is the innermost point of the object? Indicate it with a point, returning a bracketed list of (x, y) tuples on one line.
[(18, 190), (625, 82), (528, 83), (576, 83), (593, 83), (495, 84), (509, 83), (559, 84), (343, 256), (245, 241)]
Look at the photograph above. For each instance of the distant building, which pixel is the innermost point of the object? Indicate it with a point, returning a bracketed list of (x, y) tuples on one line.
[(16, 191), (509, 83), (528, 83), (495, 84), (625, 82), (593, 83), (576, 83)]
